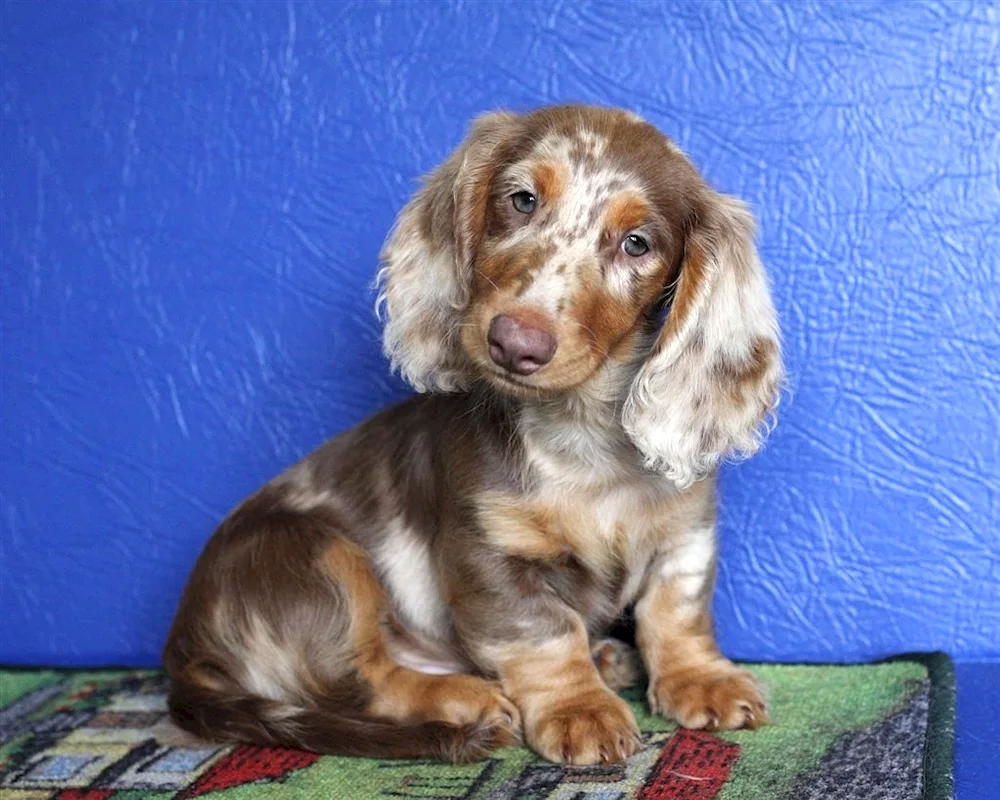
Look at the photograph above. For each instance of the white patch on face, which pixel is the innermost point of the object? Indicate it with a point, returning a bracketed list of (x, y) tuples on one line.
[(559, 147), (519, 178), (547, 289), (687, 565), (404, 561), (619, 281), (588, 189)]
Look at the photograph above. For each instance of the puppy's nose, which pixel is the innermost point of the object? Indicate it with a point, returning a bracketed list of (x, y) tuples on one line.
[(517, 347)]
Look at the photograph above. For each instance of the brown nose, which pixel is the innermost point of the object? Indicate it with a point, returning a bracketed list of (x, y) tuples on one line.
[(517, 347)]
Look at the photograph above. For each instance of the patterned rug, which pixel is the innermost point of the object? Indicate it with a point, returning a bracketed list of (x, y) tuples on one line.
[(872, 732)]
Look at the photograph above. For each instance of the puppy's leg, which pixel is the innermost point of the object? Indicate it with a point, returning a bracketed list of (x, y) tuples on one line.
[(570, 715), (513, 625), (689, 679), (278, 640), (403, 694)]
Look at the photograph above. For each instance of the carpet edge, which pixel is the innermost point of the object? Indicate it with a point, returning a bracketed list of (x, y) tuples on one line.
[(939, 750), (939, 745)]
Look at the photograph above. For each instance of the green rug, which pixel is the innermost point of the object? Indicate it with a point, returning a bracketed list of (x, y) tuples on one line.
[(873, 732)]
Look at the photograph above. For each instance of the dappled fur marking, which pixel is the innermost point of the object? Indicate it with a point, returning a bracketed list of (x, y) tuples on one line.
[(425, 584)]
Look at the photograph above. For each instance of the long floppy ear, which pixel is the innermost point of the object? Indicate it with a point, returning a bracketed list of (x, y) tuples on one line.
[(712, 378), (425, 278)]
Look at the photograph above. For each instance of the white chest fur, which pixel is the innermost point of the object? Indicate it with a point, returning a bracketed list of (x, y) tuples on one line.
[(600, 503)]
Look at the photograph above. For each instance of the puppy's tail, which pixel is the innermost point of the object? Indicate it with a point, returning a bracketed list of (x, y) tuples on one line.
[(221, 717)]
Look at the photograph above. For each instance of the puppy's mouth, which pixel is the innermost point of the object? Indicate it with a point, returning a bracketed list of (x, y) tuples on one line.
[(516, 385), (509, 378), (533, 386)]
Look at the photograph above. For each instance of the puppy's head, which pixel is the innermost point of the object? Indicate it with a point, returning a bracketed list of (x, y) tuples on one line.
[(544, 248)]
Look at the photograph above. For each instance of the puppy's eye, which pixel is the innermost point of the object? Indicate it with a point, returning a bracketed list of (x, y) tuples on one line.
[(635, 246), (524, 202)]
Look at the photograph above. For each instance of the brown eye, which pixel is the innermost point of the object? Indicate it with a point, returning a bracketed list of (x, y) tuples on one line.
[(524, 202), (635, 246)]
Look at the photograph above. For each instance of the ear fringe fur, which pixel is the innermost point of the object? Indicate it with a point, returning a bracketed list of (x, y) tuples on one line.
[(709, 390), (424, 281)]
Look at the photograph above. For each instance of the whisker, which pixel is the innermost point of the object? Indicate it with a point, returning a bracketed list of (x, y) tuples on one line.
[(482, 274), (590, 330)]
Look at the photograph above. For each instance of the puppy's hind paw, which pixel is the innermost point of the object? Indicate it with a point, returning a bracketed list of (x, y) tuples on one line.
[(619, 665)]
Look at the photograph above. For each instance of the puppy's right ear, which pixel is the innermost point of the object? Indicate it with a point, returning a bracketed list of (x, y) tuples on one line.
[(426, 272)]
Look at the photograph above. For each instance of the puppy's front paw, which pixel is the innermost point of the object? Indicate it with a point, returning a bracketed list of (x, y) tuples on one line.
[(709, 697), (598, 730)]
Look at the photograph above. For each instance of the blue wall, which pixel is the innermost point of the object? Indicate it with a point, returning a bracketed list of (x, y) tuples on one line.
[(193, 197)]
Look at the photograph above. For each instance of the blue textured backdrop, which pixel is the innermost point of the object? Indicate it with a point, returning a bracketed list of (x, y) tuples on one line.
[(193, 197)]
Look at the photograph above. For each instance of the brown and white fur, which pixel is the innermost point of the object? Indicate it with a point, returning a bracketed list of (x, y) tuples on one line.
[(436, 581)]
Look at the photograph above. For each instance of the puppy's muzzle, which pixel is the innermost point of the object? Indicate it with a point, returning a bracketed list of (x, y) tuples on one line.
[(519, 348)]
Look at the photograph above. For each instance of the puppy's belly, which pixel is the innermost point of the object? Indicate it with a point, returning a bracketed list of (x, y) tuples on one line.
[(433, 658)]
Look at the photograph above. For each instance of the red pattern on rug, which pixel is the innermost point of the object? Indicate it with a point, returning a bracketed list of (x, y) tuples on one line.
[(694, 766), (248, 763)]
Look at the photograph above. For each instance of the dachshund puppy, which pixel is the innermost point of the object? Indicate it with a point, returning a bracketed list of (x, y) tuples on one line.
[(591, 333)]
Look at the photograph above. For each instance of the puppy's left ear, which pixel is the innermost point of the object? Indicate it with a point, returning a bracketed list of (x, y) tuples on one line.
[(713, 376), (426, 273)]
